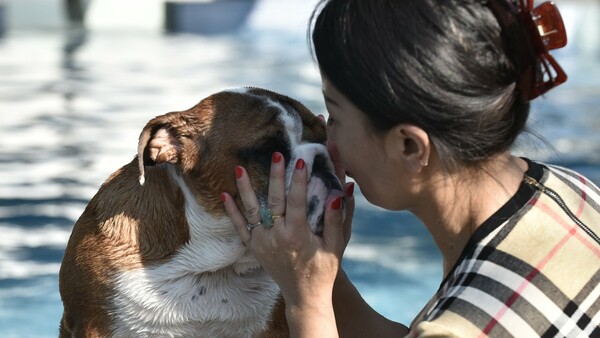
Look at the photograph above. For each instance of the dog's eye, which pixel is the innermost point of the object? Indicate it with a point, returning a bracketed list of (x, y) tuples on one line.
[(263, 151)]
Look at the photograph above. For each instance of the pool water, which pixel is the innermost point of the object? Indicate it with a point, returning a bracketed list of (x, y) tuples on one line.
[(72, 107)]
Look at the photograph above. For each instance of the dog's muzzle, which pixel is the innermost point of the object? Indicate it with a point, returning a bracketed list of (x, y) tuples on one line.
[(322, 181)]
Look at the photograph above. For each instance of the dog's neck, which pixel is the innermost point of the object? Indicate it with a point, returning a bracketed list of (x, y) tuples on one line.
[(209, 279)]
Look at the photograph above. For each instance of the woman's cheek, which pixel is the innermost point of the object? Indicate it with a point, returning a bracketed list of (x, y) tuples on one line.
[(332, 149)]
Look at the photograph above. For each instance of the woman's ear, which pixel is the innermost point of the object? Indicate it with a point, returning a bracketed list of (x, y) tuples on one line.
[(410, 145)]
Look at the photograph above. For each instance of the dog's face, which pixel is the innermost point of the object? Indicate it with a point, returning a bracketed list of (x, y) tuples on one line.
[(241, 127)]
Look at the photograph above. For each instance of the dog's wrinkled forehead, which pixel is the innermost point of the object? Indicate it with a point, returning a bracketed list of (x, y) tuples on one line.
[(287, 110), (262, 111)]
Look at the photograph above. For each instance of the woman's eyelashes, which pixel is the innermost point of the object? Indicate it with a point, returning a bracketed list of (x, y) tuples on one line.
[(330, 120)]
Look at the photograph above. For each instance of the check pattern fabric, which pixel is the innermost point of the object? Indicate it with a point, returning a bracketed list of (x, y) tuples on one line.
[(528, 271)]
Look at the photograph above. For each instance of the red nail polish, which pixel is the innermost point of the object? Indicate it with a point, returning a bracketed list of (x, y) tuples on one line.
[(300, 164), (337, 203), (238, 172), (276, 157), (223, 197), (350, 189)]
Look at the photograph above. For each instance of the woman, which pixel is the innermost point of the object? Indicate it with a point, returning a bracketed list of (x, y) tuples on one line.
[(425, 99)]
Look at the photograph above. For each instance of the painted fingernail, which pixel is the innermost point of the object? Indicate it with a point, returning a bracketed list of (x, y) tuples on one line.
[(276, 157), (350, 189), (337, 203), (223, 197), (238, 172), (300, 164)]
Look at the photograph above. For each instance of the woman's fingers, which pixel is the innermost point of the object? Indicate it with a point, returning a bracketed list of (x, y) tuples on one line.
[(247, 195), (322, 119), (296, 200), (333, 233), (237, 218), (294, 206), (277, 185)]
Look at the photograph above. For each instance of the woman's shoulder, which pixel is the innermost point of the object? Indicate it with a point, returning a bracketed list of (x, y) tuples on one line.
[(580, 194), (566, 203), (535, 273)]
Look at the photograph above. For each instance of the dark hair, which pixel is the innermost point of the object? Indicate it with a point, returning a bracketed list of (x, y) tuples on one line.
[(439, 64)]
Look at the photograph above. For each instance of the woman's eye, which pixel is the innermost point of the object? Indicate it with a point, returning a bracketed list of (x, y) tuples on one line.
[(330, 120)]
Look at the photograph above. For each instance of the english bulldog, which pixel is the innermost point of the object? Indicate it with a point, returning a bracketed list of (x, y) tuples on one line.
[(154, 253)]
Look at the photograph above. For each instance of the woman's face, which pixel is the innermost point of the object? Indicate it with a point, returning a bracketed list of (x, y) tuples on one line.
[(360, 148)]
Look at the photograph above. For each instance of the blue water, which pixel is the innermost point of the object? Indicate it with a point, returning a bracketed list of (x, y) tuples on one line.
[(71, 110)]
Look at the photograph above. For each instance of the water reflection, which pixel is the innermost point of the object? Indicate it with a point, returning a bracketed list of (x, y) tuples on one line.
[(72, 106)]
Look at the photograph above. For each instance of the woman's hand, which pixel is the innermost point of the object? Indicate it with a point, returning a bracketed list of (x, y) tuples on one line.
[(303, 264)]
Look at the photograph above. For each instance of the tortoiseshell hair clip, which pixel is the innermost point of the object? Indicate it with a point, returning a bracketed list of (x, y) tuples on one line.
[(532, 33)]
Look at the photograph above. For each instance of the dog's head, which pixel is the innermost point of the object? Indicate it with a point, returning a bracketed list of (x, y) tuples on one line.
[(240, 127)]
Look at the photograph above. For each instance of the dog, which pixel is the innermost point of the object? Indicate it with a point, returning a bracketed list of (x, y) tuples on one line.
[(155, 255)]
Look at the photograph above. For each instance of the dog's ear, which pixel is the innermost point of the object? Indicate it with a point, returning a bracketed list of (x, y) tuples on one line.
[(157, 144)]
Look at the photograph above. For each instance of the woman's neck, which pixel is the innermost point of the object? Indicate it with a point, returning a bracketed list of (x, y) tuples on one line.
[(454, 205)]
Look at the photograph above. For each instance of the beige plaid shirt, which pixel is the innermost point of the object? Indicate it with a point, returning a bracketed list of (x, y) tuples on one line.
[(531, 270)]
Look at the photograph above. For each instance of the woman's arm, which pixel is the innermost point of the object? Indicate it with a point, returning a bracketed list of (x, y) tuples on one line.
[(355, 318), (312, 319), (348, 316)]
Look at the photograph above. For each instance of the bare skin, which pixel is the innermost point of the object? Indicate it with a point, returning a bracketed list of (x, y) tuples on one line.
[(321, 300)]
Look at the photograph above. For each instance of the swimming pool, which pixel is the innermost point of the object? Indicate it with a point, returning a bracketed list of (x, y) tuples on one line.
[(71, 111)]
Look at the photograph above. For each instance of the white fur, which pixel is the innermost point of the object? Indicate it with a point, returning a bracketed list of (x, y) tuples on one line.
[(210, 288), (292, 124)]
